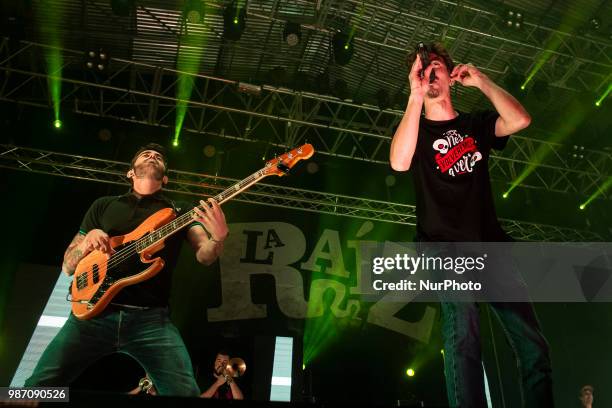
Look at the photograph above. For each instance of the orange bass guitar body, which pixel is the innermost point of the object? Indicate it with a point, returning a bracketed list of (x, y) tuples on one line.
[(99, 277)]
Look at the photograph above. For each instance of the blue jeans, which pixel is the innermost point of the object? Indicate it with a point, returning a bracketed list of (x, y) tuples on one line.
[(146, 335), (463, 361)]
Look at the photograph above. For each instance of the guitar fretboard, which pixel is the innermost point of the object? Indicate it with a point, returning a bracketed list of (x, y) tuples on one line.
[(178, 223)]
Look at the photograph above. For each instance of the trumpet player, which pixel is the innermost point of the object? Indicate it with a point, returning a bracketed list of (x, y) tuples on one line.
[(224, 387)]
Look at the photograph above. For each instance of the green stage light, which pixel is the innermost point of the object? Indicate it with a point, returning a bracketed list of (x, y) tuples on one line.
[(303, 366), (234, 20), (576, 113), (505, 195), (410, 372), (600, 190), (175, 142), (599, 100), (53, 17), (343, 47), (57, 123)]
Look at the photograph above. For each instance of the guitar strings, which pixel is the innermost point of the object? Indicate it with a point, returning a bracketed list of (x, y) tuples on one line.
[(128, 251)]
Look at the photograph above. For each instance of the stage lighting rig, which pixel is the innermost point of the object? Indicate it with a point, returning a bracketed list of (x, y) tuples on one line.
[(513, 19), (97, 60), (292, 33)]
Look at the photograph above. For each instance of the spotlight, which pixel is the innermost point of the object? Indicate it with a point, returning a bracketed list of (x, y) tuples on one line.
[(209, 151), (194, 11), (292, 34), (57, 124), (505, 195), (513, 19), (594, 24), (105, 135), (410, 372), (578, 152), (343, 48), (582, 206), (312, 167), (122, 7), (97, 60), (234, 22), (175, 142)]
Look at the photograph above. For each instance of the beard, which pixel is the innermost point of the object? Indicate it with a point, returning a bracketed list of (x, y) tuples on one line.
[(433, 93), (149, 169)]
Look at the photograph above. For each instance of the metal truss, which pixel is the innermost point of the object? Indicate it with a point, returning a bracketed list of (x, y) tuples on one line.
[(571, 61), (146, 94), (112, 172)]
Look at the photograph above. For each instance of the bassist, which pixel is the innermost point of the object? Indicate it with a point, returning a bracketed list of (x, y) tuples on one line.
[(136, 321)]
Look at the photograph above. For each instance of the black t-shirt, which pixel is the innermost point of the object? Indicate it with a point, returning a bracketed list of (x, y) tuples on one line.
[(119, 215), (224, 392), (451, 177)]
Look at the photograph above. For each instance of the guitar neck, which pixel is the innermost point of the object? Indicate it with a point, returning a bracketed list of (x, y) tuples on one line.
[(186, 219)]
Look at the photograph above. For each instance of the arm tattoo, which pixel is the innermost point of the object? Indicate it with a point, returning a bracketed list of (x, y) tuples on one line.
[(73, 255)]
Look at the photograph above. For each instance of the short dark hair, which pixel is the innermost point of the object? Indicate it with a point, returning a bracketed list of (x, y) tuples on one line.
[(586, 388), (223, 352), (436, 48), (151, 146)]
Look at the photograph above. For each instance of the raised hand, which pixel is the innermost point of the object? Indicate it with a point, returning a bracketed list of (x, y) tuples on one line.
[(467, 75), (418, 85)]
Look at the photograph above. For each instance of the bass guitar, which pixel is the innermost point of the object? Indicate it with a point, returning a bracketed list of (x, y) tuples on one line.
[(99, 277)]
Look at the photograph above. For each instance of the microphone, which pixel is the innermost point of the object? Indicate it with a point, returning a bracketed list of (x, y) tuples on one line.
[(422, 50)]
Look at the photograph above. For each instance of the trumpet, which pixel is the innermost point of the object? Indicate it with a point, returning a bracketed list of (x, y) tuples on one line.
[(235, 368), (145, 384)]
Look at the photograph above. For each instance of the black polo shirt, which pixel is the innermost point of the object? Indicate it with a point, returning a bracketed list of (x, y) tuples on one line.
[(119, 215)]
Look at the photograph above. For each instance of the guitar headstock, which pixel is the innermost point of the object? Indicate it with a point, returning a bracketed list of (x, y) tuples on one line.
[(281, 165)]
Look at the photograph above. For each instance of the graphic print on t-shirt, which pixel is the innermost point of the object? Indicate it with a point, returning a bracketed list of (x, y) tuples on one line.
[(456, 154)]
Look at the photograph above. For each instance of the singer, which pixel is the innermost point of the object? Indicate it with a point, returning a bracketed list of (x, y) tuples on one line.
[(448, 152)]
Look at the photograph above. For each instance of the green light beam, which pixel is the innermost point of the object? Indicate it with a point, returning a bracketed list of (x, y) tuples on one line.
[(568, 25), (604, 96), (353, 29), (599, 192), (53, 56), (54, 64), (577, 113), (190, 54)]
